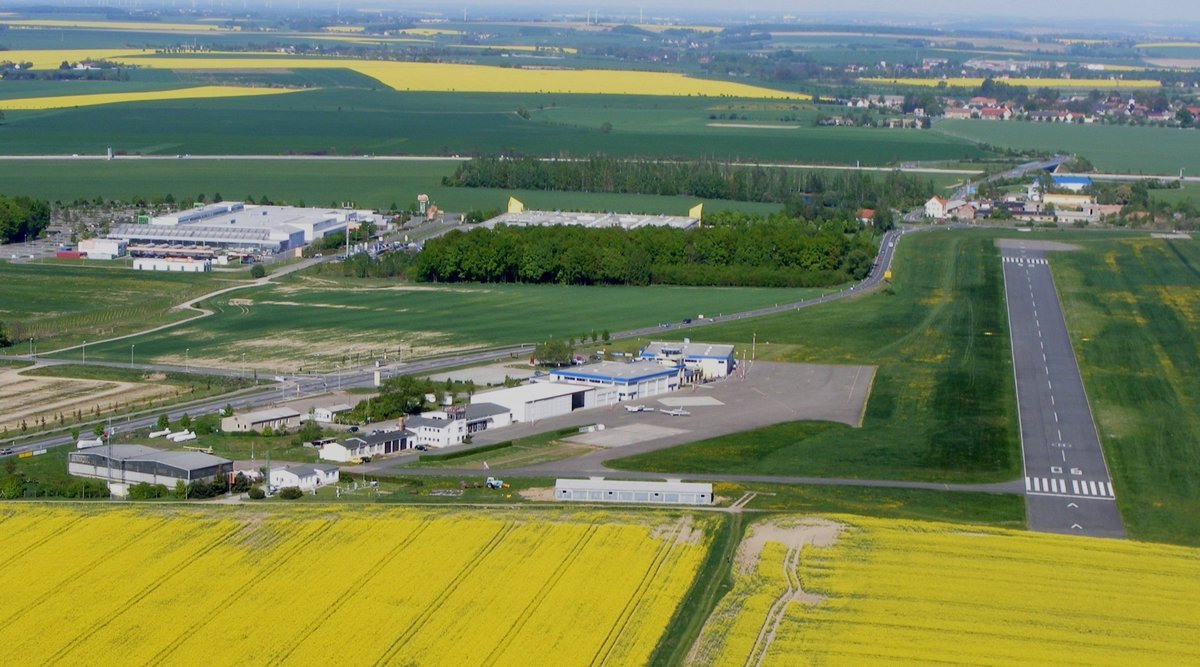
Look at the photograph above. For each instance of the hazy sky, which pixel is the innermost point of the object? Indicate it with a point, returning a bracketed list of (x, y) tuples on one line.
[(1061, 12)]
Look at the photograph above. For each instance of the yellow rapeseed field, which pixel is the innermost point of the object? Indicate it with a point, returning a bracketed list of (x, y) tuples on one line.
[(969, 82), (355, 586), (440, 77), (94, 99), (906, 592), (119, 25), (431, 77)]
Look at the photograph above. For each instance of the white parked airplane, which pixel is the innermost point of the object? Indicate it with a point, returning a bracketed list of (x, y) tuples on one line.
[(635, 408), (677, 412)]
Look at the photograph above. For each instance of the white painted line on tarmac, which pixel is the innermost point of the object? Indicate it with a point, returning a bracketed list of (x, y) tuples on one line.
[(1093, 486), (1056, 416), (1075, 486), (1060, 440)]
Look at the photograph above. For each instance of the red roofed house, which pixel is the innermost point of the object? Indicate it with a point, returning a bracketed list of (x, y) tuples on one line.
[(866, 216), (935, 208)]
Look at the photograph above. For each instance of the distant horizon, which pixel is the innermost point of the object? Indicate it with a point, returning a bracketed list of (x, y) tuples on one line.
[(1106, 16)]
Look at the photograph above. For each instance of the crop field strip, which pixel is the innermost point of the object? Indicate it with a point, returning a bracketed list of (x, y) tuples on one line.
[(592, 587), (907, 592), (97, 99), (1074, 84)]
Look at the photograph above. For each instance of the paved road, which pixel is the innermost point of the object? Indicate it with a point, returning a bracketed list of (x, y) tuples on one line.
[(1067, 485)]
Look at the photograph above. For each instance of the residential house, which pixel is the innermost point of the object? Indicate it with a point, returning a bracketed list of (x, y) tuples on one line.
[(326, 415), (935, 208), (305, 477)]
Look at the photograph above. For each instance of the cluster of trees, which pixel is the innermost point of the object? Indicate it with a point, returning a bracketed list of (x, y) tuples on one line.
[(744, 250), (708, 180), (22, 217), (401, 395)]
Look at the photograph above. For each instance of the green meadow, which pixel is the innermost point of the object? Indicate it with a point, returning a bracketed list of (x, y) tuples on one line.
[(314, 323), (942, 407), (1111, 148)]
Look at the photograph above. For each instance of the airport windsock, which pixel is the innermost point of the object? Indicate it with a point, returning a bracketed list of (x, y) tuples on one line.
[(697, 212), (515, 205)]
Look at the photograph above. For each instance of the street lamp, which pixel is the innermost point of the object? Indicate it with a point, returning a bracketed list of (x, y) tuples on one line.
[(131, 353), (243, 365), (85, 351), (187, 359)]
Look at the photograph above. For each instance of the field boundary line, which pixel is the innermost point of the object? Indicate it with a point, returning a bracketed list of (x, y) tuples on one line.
[(549, 585), (448, 590)]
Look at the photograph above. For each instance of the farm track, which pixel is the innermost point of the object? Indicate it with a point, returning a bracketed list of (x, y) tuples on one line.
[(522, 618), (380, 567), (440, 599), (618, 628), (137, 597), (301, 543), (770, 626)]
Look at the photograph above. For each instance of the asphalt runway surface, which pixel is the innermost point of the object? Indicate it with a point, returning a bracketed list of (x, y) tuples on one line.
[(1068, 488)]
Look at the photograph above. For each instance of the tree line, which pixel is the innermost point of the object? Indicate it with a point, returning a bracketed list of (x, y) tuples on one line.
[(844, 191), (22, 217), (746, 251)]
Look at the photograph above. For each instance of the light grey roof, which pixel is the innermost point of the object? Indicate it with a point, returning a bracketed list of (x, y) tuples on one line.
[(669, 486), (184, 460), (307, 470), (270, 414), (594, 220), (417, 422), (340, 407), (482, 410), (689, 349), (614, 370)]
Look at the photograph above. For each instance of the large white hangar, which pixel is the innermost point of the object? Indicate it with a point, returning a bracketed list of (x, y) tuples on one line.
[(540, 400), (123, 465)]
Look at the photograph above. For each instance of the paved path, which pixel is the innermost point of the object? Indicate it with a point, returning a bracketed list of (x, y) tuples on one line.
[(1067, 485)]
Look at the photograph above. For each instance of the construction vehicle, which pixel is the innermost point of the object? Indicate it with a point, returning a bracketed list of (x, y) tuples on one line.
[(493, 483)]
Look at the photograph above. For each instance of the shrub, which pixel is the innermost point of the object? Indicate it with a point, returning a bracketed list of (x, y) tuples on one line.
[(257, 271), (256, 493), (290, 492)]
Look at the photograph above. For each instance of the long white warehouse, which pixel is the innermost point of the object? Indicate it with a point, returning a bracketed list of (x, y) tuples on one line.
[(670, 492)]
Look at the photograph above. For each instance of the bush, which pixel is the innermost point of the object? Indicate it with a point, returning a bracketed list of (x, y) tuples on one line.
[(257, 271), (290, 492), (256, 493), (146, 491)]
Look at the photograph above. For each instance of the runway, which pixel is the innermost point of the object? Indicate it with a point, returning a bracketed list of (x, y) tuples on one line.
[(1068, 488)]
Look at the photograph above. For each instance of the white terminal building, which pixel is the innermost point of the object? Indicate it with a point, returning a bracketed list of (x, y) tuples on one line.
[(206, 231), (699, 361)]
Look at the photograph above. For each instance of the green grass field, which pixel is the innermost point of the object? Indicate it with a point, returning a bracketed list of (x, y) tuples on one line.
[(315, 323), (360, 120), (1133, 309), (1111, 148), (942, 407), (368, 183), (60, 304)]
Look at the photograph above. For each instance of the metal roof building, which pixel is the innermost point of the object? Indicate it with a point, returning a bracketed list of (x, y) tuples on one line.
[(238, 226), (709, 360), (540, 400), (598, 490), (592, 220), (631, 381), (131, 464)]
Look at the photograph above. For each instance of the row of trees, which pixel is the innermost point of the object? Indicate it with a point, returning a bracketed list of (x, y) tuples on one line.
[(708, 180), (22, 217), (773, 252)]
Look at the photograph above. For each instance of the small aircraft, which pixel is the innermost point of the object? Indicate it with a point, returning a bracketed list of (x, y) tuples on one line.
[(638, 408), (677, 412)]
